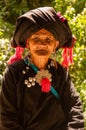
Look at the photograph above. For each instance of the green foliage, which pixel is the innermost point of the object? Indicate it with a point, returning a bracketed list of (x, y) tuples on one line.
[(5, 53), (18, 7), (5, 49), (15, 7), (78, 73), (78, 5)]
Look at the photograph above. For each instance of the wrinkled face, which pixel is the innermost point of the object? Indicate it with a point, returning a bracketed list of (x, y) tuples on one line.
[(42, 43)]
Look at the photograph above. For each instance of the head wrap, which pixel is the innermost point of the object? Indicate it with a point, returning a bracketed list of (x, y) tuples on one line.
[(43, 17)]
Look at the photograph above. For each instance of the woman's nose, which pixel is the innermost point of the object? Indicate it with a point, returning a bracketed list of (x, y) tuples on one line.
[(43, 42)]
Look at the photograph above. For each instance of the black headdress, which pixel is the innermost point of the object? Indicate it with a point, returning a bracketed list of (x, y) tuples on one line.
[(43, 17)]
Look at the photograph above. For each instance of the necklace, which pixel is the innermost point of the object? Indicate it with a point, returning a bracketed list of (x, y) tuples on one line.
[(42, 77)]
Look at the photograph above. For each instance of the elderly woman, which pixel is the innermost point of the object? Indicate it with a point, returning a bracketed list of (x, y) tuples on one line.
[(37, 92)]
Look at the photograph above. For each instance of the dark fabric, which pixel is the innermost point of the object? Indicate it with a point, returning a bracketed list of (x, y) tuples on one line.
[(34, 20), (24, 108)]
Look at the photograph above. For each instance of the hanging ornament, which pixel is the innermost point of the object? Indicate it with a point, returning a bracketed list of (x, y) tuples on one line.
[(43, 77), (17, 56), (67, 54), (45, 84)]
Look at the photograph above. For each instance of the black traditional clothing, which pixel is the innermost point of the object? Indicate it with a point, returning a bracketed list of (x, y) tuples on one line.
[(27, 108)]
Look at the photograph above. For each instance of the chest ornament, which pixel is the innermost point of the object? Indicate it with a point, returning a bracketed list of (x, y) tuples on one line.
[(42, 77)]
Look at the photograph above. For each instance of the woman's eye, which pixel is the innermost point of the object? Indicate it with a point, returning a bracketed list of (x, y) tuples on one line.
[(36, 40), (48, 40)]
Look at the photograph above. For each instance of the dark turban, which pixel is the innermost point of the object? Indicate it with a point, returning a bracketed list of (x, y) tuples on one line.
[(43, 17)]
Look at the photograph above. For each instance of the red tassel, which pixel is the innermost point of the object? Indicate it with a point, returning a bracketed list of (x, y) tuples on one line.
[(45, 84), (67, 55), (71, 56), (17, 56)]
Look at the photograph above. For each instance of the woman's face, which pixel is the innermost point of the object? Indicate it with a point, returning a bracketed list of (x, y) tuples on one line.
[(42, 43)]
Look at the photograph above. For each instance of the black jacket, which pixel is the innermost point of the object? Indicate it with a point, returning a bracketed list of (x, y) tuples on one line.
[(24, 108)]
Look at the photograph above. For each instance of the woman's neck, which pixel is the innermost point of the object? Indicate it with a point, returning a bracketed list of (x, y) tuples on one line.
[(40, 61)]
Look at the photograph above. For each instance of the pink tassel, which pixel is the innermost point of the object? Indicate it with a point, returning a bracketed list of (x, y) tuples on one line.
[(67, 55), (71, 56), (45, 84), (17, 56)]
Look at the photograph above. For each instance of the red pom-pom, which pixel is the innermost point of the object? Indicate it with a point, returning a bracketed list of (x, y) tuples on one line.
[(61, 17), (45, 84)]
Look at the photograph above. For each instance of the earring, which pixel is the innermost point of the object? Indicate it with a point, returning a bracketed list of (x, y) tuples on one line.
[(53, 55)]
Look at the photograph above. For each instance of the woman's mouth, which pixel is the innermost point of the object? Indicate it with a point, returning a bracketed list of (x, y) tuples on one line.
[(41, 52)]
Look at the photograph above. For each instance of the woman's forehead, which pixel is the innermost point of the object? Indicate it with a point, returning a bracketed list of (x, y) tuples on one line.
[(43, 32)]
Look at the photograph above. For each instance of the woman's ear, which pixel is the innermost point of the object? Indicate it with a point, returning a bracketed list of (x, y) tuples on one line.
[(56, 45), (27, 43)]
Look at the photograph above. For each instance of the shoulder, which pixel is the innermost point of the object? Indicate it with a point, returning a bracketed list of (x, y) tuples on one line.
[(17, 65), (61, 70), (63, 74), (15, 68)]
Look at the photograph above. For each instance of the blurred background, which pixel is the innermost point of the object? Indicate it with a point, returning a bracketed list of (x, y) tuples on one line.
[(73, 10)]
